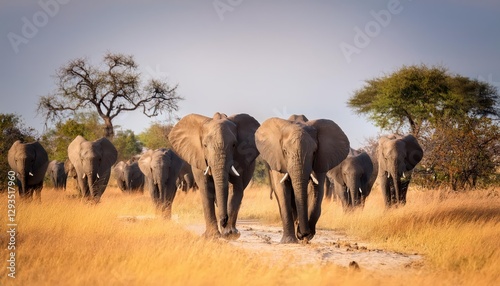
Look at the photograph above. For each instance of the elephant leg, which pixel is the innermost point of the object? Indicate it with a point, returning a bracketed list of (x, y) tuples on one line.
[(404, 190), (234, 203), (315, 198), (284, 196), (207, 192)]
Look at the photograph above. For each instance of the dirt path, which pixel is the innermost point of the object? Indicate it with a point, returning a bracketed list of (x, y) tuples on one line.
[(326, 247)]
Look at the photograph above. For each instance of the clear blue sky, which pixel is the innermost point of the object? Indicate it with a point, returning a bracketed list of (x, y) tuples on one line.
[(265, 58)]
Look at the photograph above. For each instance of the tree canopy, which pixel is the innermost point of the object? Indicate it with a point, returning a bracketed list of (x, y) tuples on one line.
[(111, 88), (455, 118), (156, 136), (414, 98)]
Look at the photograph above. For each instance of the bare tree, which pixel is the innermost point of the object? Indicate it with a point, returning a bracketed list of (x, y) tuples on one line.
[(110, 89)]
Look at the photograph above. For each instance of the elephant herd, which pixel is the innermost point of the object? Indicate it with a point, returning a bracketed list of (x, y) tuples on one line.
[(217, 155)]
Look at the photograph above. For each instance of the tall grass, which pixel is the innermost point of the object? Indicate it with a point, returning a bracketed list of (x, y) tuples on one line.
[(63, 241)]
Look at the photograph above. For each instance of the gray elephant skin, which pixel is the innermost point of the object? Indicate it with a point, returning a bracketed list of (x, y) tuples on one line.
[(92, 161), (129, 177), (299, 153), (397, 156), (30, 162), (161, 168), (353, 179), (185, 179), (57, 174), (221, 151)]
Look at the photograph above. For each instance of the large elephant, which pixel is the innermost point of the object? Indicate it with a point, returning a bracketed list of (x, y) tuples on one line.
[(129, 177), (57, 174), (161, 168), (299, 153), (221, 151), (353, 179), (30, 162), (397, 156), (92, 162)]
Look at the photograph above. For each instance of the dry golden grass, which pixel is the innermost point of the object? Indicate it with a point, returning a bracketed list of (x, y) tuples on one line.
[(63, 241)]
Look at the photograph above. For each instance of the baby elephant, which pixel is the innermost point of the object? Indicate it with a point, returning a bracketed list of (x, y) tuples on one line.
[(57, 174), (161, 168), (29, 161), (353, 179), (129, 177)]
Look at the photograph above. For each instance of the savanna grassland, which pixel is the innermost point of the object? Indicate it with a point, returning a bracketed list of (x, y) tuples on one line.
[(121, 241)]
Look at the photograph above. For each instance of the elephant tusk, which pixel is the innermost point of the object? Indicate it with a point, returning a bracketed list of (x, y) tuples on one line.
[(284, 178), (83, 177), (404, 175), (31, 174), (360, 190), (234, 171), (98, 176), (388, 175), (315, 181), (206, 170)]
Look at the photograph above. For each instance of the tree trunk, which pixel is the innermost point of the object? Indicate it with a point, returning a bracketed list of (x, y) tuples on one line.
[(108, 128)]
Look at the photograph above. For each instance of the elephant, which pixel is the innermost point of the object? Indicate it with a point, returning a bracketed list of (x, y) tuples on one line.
[(353, 179), (92, 161), (185, 179), (57, 174), (299, 153), (129, 177), (397, 156), (221, 151), (161, 168), (29, 161)]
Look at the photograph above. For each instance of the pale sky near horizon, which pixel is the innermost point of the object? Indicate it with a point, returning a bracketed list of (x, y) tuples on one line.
[(264, 58)]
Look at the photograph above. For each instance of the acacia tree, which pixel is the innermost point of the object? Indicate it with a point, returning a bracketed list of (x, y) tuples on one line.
[(416, 98), (111, 88), (455, 118)]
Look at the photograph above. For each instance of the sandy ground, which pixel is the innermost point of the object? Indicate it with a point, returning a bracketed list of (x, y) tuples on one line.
[(326, 247)]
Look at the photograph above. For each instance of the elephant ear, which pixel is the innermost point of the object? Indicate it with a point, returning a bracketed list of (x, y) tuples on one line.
[(414, 152), (12, 155), (41, 162), (268, 139), (118, 170), (298, 118), (185, 138), (145, 163), (52, 167), (246, 150), (333, 145), (110, 154), (74, 153), (176, 164)]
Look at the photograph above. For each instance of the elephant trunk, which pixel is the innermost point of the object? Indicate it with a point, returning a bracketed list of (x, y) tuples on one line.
[(394, 172), (354, 188), (300, 181), (221, 182)]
